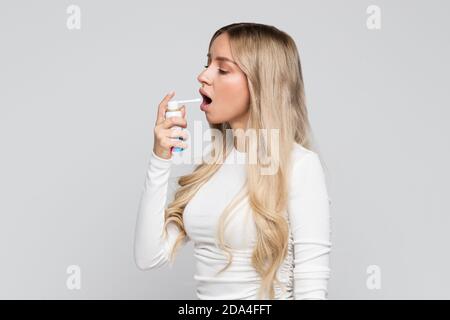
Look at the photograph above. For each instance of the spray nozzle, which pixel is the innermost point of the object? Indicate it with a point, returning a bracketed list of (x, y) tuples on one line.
[(174, 104)]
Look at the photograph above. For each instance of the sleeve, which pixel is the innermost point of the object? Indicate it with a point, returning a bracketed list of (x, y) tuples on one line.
[(309, 217), (151, 250)]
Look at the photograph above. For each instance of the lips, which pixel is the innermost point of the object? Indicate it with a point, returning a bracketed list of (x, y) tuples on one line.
[(206, 100)]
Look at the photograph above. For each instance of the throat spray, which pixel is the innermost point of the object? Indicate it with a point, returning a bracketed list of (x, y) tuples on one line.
[(174, 110)]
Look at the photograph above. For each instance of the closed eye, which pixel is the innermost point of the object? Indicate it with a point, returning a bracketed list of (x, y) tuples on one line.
[(220, 71)]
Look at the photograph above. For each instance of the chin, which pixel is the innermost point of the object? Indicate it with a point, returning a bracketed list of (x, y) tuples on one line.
[(212, 121)]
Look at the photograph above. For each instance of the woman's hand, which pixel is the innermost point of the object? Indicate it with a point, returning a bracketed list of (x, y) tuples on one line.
[(164, 133)]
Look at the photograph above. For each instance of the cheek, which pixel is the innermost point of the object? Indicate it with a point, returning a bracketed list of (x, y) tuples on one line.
[(235, 95)]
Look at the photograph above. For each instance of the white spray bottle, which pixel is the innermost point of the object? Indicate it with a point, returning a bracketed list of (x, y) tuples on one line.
[(173, 110)]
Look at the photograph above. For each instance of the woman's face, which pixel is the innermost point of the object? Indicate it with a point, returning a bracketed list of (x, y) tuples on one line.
[(225, 83)]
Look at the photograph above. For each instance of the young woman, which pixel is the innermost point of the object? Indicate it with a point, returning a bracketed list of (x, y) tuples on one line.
[(256, 236)]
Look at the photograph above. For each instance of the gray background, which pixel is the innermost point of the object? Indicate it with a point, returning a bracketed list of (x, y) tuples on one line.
[(77, 110)]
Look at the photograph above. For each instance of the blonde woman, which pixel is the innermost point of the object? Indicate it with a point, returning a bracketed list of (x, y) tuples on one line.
[(256, 236)]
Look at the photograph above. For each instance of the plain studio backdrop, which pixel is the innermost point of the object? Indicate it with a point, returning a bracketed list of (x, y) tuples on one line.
[(78, 107)]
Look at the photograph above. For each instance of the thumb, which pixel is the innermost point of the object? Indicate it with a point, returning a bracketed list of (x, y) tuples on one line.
[(163, 107)]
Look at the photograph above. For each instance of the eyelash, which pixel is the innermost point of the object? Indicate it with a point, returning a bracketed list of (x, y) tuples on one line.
[(220, 71)]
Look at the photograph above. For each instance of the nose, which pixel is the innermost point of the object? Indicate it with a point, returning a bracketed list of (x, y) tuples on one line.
[(202, 77)]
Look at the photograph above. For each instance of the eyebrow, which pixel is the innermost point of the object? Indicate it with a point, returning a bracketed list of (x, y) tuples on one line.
[(221, 59)]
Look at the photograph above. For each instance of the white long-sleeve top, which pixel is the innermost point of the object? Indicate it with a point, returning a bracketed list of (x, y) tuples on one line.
[(305, 272)]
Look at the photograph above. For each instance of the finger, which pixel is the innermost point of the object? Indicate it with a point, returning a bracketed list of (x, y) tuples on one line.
[(162, 108), (178, 133), (174, 121), (183, 111), (179, 144)]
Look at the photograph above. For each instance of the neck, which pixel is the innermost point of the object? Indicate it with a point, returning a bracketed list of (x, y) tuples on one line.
[(240, 144)]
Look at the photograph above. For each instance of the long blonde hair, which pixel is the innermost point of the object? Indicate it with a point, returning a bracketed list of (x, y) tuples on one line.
[(270, 60)]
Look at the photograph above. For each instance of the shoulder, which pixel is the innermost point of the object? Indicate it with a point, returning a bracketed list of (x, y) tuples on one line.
[(306, 166), (303, 156), (308, 173)]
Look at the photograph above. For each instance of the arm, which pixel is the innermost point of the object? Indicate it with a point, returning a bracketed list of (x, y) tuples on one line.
[(151, 250), (309, 216)]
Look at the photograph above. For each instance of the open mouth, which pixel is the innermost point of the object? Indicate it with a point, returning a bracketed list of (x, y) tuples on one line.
[(206, 102), (206, 99)]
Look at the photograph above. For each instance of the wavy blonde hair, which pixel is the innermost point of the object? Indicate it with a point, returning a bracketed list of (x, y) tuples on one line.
[(270, 60)]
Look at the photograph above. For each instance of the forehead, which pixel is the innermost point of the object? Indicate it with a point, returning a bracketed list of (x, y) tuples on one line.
[(220, 47)]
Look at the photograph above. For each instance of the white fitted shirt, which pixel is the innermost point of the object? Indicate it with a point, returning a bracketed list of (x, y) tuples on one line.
[(305, 271)]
